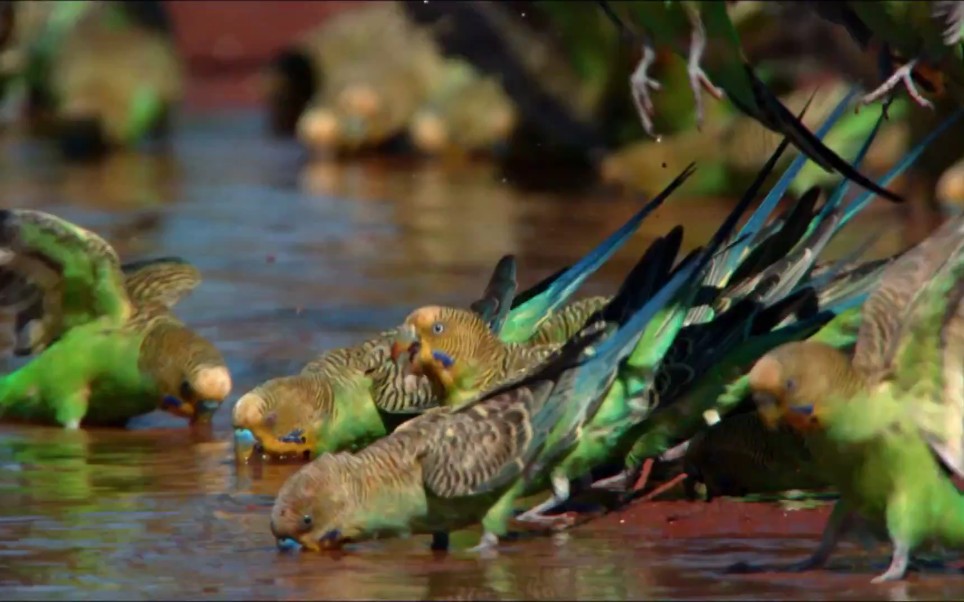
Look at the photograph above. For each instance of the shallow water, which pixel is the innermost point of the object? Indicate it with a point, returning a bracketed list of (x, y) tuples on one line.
[(299, 258)]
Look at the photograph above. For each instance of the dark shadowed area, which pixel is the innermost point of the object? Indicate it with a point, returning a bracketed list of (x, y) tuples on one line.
[(298, 258)]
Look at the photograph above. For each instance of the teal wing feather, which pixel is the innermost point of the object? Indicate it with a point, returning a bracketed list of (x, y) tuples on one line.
[(494, 305), (532, 309)]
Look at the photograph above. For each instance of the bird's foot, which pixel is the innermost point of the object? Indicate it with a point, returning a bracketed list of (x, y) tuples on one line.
[(487, 545), (902, 75), (899, 562), (699, 80), (554, 522), (641, 84), (440, 542), (615, 483), (664, 487), (643, 476)]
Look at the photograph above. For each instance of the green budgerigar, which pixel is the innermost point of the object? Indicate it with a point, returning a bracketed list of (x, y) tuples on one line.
[(926, 35), (111, 77), (451, 467), (887, 424), (666, 23), (785, 251), (109, 346), (368, 394)]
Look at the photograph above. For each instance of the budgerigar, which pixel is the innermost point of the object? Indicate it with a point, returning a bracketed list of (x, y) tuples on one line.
[(465, 113), (926, 35), (665, 23), (887, 424), (476, 358), (368, 395), (451, 467), (683, 389), (109, 347), (112, 80), (791, 264)]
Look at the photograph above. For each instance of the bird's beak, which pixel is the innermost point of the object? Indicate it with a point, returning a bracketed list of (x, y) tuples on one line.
[(203, 411), (245, 445), (288, 544), (404, 345), (770, 412)]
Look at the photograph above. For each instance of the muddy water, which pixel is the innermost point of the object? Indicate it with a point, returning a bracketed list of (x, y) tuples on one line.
[(298, 258)]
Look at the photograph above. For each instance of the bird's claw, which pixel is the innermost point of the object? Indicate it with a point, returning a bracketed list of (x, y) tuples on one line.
[(615, 483), (699, 80), (487, 545), (641, 84), (902, 75), (555, 522)]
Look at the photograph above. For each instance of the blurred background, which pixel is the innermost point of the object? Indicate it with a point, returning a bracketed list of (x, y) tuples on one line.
[(537, 90)]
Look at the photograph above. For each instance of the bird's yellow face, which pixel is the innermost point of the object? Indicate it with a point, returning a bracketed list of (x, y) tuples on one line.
[(274, 421), (789, 386), (439, 342), (198, 394)]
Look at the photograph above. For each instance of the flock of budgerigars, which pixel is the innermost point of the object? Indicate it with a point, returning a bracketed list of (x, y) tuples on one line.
[(848, 373)]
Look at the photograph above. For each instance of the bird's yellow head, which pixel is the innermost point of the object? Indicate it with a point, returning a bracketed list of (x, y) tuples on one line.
[(315, 506), (278, 420), (440, 342), (794, 383), (190, 373)]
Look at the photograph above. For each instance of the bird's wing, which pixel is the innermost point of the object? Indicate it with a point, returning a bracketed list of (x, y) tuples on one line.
[(165, 280), (55, 276)]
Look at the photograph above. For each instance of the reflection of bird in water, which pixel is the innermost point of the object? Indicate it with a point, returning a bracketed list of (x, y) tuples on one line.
[(123, 181)]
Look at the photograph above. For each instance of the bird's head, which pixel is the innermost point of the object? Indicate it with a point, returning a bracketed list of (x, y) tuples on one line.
[(190, 373), (315, 506), (278, 419), (794, 383), (440, 342)]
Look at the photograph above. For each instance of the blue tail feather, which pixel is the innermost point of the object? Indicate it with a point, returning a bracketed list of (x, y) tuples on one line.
[(569, 280), (908, 160)]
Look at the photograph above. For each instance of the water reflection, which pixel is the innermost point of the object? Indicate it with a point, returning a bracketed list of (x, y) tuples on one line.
[(297, 258)]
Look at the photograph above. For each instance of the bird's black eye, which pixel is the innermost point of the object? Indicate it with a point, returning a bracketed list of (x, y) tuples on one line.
[(791, 384), (438, 328), (186, 390), (306, 519)]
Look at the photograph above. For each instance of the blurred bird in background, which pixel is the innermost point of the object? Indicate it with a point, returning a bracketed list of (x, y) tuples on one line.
[(96, 75)]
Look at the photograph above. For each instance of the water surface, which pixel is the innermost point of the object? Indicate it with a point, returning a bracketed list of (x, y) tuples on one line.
[(300, 257)]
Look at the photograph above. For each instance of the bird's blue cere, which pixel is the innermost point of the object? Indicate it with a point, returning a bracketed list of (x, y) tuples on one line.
[(805, 410), (170, 401), (208, 407), (244, 437), (287, 544), (443, 358)]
